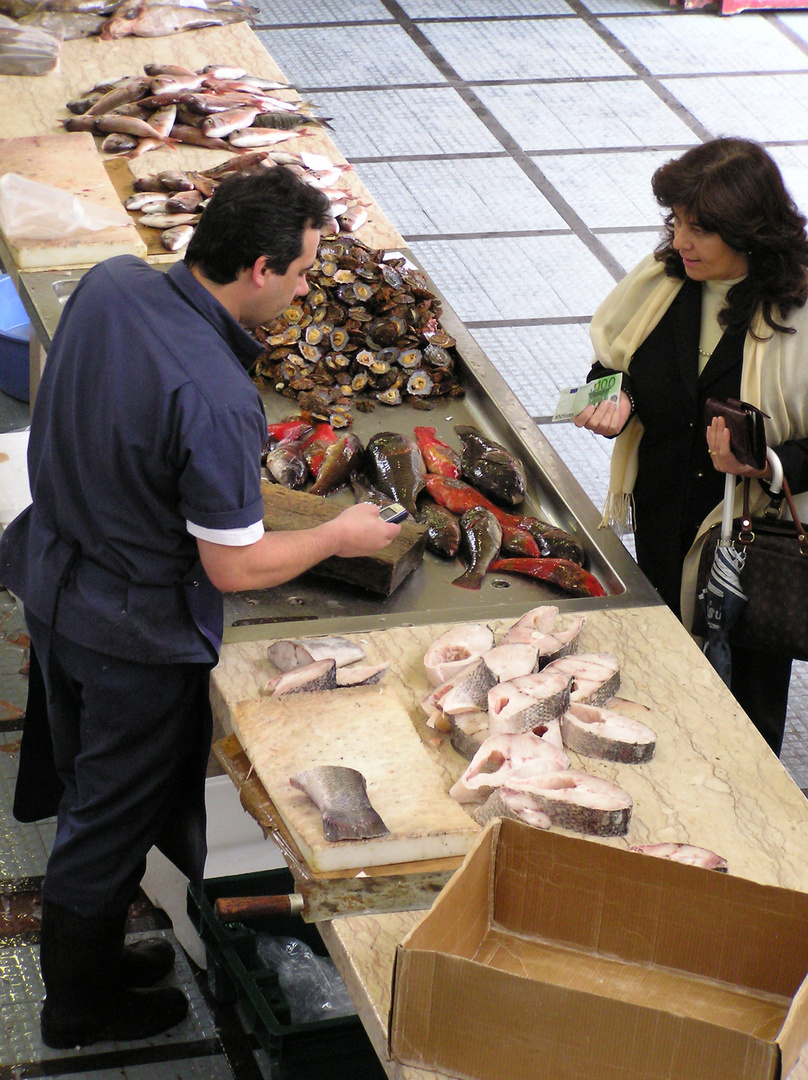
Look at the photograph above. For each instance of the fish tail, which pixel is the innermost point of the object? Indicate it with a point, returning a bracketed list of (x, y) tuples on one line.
[(472, 579)]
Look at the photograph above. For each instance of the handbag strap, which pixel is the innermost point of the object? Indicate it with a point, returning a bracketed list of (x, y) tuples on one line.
[(746, 532)]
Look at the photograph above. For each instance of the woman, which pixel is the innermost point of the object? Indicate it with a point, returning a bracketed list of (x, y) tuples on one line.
[(718, 310)]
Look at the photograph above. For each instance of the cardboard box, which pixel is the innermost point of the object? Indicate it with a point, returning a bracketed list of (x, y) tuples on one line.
[(548, 956)]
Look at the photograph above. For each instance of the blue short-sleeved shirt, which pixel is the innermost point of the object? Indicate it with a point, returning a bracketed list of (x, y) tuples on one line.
[(147, 432)]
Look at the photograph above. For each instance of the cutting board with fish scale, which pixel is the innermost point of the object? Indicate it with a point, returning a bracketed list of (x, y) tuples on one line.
[(365, 728)]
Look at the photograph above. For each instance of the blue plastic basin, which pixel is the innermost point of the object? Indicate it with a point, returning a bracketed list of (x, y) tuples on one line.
[(15, 332)]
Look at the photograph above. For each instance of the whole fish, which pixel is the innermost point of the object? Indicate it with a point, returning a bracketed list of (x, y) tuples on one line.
[(394, 465), (192, 136), (286, 464), (174, 180), (143, 199), (131, 90), (315, 446), (162, 119), (117, 143), (481, 537), (442, 529), (566, 574), (167, 221), (128, 125), (339, 461), (490, 467), (184, 202), (68, 25), (167, 69), (340, 794), (177, 237), (353, 219), (365, 493), (518, 543), (159, 20), (251, 137), (458, 496), (219, 125), (287, 430), (688, 854), (438, 456)]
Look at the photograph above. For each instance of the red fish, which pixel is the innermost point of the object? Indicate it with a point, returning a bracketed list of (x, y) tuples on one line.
[(564, 573), (518, 542), (458, 496), (438, 456), (288, 430), (315, 447)]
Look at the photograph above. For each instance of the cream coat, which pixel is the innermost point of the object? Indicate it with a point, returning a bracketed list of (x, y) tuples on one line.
[(774, 377)]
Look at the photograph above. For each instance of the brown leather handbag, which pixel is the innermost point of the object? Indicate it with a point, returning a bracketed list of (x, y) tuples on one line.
[(774, 579), (746, 431)]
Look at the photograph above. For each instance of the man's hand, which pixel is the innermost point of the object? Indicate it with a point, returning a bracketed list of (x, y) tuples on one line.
[(362, 531), (607, 418), (280, 556)]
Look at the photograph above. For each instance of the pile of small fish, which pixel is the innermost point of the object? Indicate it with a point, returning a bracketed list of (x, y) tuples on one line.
[(513, 708), (219, 107), (172, 200), (367, 331), (110, 19)]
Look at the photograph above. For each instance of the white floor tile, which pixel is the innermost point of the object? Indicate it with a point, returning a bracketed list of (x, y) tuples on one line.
[(749, 106)]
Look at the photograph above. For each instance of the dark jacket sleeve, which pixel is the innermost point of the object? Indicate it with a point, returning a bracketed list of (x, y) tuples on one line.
[(597, 371)]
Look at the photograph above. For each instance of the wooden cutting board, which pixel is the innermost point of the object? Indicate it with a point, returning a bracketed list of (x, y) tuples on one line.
[(364, 728), (68, 160)]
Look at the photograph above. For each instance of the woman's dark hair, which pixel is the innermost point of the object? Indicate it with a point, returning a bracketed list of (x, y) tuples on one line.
[(732, 187), (263, 212)]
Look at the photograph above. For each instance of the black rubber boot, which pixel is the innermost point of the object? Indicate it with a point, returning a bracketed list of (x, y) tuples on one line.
[(85, 999), (145, 962)]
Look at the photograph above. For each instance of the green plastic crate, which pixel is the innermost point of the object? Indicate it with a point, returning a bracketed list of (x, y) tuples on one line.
[(237, 976)]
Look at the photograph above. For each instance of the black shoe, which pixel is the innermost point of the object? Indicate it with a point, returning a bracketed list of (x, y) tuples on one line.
[(86, 1000), (145, 962), (131, 1015)]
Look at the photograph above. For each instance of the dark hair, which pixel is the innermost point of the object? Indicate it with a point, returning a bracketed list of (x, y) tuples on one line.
[(261, 212), (732, 187)]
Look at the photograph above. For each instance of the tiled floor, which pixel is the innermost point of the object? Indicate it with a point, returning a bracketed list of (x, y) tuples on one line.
[(511, 142)]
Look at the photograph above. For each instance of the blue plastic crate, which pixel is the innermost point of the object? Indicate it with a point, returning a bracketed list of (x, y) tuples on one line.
[(15, 331)]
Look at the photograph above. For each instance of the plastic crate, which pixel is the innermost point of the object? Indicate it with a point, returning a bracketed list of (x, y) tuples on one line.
[(237, 976)]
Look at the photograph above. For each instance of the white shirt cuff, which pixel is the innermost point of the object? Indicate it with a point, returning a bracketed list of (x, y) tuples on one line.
[(243, 537)]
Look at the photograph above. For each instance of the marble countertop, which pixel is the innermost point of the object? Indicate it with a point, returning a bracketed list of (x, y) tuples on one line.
[(713, 781)]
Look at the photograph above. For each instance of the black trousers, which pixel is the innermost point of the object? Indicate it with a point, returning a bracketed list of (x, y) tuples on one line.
[(130, 745)]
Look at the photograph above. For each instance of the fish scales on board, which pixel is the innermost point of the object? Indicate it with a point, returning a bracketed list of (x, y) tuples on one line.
[(340, 794)]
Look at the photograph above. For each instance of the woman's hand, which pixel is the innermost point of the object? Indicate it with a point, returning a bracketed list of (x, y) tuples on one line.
[(608, 418), (718, 447)]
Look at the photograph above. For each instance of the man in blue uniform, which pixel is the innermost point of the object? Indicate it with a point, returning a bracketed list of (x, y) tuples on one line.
[(144, 465)]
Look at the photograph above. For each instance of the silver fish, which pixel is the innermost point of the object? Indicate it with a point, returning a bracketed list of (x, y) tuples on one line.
[(141, 199), (293, 653), (252, 137), (340, 794), (167, 221), (118, 143), (184, 202)]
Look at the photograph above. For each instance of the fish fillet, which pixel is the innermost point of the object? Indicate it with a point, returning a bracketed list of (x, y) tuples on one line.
[(497, 759), (596, 676), (340, 794), (504, 802), (602, 733), (578, 801), (527, 702), (684, 853), (470, 689), (455, 650), (321, 675), (510, 660), (297, 652)]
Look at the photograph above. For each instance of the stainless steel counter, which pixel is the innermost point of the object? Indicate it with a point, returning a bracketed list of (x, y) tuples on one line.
[(427, 596)]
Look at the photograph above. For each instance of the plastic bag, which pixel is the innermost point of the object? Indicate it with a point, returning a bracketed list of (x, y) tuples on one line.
[(27, 50), (310, 983), (37, 211)]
